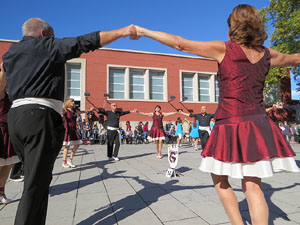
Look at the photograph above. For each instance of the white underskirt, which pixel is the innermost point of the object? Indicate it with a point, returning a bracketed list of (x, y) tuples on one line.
[(262, 169), (157, 138), (68, 143), (9, 161)]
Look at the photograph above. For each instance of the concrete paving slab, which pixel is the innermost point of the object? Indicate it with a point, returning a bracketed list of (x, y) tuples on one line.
[(135, 190)]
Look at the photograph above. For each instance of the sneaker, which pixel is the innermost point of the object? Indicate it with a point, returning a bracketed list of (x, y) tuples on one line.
[(116, 158), (65, 165), (70, 164), (110, 158), (18, 179), (4, 200), (159, 156)]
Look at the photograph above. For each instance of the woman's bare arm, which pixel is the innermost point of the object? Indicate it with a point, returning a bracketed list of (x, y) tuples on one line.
[(209, 49), (282, 59), (145, 114)]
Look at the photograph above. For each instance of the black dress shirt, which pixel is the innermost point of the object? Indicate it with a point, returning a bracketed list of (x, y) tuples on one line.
[(35, 66), (295, 109), (204, 120), (113, 118)]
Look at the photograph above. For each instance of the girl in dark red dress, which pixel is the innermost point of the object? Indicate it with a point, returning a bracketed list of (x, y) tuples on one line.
[(157, 130), (244, 143), (72, 136), (7, 154)]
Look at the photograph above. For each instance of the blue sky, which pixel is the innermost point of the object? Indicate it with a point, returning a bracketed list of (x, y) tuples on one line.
[(192, 19)]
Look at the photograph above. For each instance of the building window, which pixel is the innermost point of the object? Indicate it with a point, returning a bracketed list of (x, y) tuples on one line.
[(203, 85), (156, 85), (187, 86), (199, 87), (117, 83), (73, 81), (216, 90), (137, 83)]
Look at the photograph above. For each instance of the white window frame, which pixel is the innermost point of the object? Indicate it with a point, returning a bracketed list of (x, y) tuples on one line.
[(82, 63), (146, 82), (215, 86), (196, 74), (125, 81), (141, 85)]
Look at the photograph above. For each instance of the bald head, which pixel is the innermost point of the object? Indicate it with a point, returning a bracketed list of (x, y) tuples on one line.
[(203, 109), (36, 27)]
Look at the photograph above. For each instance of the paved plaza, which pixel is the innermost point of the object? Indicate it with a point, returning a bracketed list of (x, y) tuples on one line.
[(136, 191)]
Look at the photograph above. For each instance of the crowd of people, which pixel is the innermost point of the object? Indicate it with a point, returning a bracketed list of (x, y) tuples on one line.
[(32, 127)]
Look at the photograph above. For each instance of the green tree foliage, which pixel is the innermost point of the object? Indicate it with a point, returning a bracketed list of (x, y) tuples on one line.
[(284, 17)]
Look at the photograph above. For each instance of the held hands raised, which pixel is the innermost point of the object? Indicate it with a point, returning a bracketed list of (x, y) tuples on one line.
[(137, 33)]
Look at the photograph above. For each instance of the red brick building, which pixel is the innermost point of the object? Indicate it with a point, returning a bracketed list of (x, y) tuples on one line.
[(141, 80)]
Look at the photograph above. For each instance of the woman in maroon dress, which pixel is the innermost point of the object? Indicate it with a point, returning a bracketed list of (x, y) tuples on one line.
[(7, 155), (157, 130), (244, 143), (72, 136)]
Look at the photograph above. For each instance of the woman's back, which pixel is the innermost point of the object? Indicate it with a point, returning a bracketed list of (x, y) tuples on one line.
[(241, 82)]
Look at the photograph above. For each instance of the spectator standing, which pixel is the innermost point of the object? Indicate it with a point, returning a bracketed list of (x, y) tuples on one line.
[(145, 132), (195, 132), (286, 132)]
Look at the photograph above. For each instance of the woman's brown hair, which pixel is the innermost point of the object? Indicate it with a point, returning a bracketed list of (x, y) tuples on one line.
[(246, 26)]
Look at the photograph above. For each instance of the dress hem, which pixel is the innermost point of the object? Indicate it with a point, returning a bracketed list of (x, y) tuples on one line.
[(261, 169)]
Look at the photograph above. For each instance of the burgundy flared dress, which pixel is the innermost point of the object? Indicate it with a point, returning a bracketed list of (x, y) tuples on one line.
[(72, 136), (244, 141), (157, 130), (7, 154)]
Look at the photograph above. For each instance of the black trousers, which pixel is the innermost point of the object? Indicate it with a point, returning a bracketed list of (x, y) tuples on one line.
[(37, 134), (17, 171), (113, 138), (203, 135)]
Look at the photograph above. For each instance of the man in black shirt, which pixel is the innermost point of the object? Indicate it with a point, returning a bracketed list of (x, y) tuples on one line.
[(204, 124), (35, 69), (113, 130), (296, 110)]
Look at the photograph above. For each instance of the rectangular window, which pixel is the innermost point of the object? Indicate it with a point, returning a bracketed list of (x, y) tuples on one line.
[(187, 86), (117, 83), (199, 87), (216, 90), (156, 80), (203, 84), (73, 81), (137, 90), (137, 83)]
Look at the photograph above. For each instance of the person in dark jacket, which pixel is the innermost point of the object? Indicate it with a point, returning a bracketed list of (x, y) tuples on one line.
[(113, 130), (35, 69)]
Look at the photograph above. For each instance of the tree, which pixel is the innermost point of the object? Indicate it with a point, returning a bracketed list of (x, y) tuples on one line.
[(284, 17)]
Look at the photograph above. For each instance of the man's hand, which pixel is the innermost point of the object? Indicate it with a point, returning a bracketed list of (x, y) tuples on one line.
[(137, 33), (129, 31)]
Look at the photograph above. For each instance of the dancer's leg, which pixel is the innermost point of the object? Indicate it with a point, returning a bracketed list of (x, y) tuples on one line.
[(257, 204), (228, 199), (157, 147), (65, 154), (196, 143), (74, 150), (4, 172), (160, 146)]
